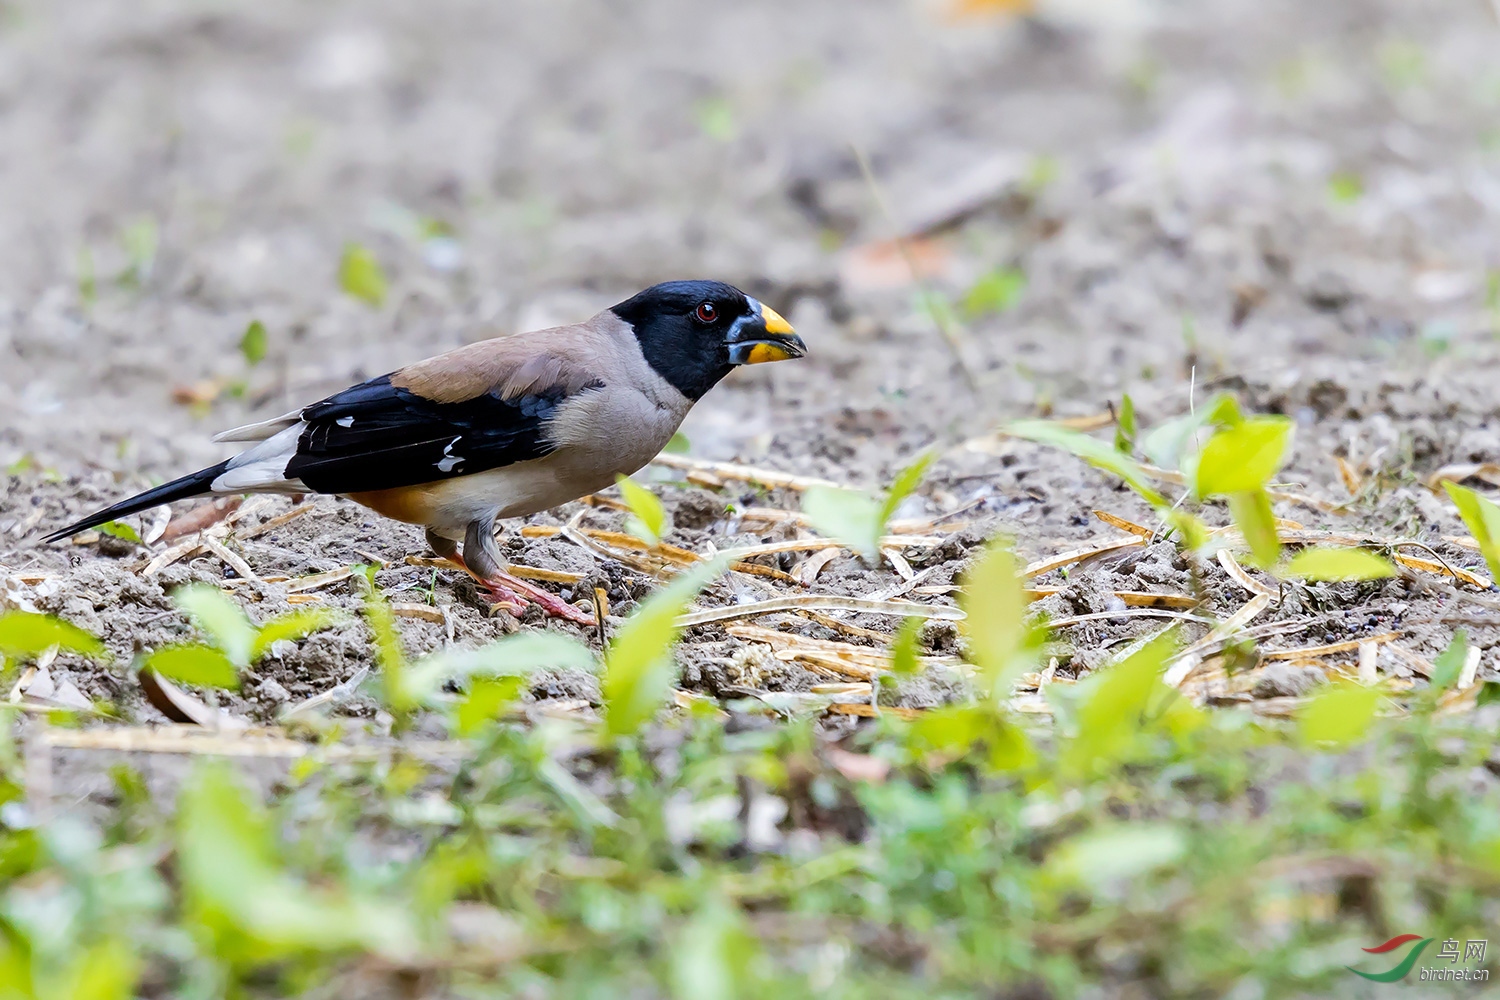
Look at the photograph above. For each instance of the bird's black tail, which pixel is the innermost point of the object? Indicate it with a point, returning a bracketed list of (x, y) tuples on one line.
[(197, 484)]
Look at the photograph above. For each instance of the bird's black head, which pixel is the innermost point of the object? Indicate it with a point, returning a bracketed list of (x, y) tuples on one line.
[(694, 332)]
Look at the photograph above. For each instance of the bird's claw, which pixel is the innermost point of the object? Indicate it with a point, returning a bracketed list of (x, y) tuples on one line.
[(515, 594)]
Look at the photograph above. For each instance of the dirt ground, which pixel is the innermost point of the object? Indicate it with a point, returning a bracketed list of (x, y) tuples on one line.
[(1297, 203)]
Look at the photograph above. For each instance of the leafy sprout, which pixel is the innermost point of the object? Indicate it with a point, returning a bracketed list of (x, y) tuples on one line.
[(1125, 426), (996, 292), (25, 635), (361, 276), (1092, 451), (139, 240), (648, 519), (1338, 715), (856, 518), (1449, 665), (638, 665), (1329, 563), (253, 343), (119, 529), (906, 648), (236, 643), (493, 673), (1237, 463), (1482, 518), (1114, 706), (1001, 643), (247, 907)]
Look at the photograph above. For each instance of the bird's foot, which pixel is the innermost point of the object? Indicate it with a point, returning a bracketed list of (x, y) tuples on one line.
[(510, 591), (503, 598)]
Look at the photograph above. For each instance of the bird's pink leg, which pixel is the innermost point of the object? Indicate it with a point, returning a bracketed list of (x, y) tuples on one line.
[(505, 586), (510, 593)]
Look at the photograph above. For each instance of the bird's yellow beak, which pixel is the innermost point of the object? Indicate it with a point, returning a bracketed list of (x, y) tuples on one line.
[(770, 339)]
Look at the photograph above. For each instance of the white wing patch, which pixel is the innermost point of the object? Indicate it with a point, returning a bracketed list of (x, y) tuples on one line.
[(345, 421), (449, 460)]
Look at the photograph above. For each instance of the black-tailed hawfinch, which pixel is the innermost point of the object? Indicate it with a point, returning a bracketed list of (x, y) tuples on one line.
[(504, 427)]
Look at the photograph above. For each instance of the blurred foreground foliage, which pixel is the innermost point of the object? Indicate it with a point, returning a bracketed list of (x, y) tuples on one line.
[(720, 851)]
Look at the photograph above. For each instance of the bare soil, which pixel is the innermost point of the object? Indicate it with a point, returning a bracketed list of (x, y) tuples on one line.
[(1295, 203)]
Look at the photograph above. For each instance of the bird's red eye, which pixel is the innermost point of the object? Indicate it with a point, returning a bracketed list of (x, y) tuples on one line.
[(706, 313)]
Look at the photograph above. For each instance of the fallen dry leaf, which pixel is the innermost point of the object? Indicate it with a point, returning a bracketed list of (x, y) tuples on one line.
[(886, 264)]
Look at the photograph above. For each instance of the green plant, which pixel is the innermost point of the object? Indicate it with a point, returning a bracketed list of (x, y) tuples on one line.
[(25, 635), (139, 240), (253, 343), (1237, 463), (854, 517), (648, 520), (638, 666), (1092, 451), (996, 292), (361, 276), (236, 642), (1482, 518), (1339, 564)]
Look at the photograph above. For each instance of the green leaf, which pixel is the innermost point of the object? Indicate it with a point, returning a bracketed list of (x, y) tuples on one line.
[(1118, 853), (139, 240), (713, 956), (1252, 515), (1115, 701), (513, 656), (1172, 443), (119, 529), (1244, 457), (1332, 563), (1345, 187), (253, 343), (1338, 715), (1000, 643), (221, 618), (850, 516), (360, 275), (716, 119), (25, 634), (679, 445), (639, 667), (292, 626), (648, 520), (396, 686), (107, 970), (996, 292), (905, 483), (237, 892), (1482, 518), (1092, 451), (1224, 411), (1450, 662), (1125, 426), (951, 729), (904, 650), (194, 664), (1192, 533), (855, 518), (486, 697)]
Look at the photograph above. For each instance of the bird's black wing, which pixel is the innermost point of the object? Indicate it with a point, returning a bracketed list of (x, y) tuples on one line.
[(379, 436)]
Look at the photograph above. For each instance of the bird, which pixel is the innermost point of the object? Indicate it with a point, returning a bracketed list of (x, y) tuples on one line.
[(501, 428)]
